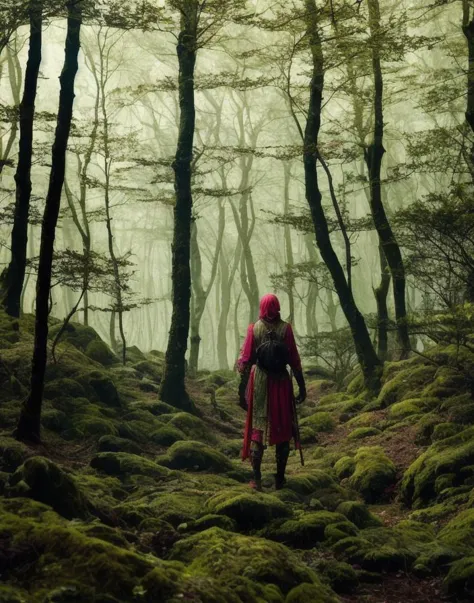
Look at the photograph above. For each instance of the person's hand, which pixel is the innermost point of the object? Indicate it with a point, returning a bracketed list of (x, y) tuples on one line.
[(301, 397)]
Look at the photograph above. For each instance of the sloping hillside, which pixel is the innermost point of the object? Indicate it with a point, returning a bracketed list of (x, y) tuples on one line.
[(129, 499)]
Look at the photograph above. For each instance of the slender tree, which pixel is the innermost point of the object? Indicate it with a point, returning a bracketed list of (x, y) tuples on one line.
[(13, 278), (29, 424), (366, 354)]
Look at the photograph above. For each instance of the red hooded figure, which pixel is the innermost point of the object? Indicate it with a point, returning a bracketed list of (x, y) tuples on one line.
[(266, 390)]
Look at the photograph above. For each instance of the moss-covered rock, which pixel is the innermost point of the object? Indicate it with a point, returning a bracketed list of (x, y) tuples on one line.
[(441, 431), (212, 521), (104, 388), (95, 426), (319, 422), (110, 443), (446, 456), (195, 456), (100, 352), (167, 435), (345, 467), (405, 383), (246, 563), (49, 484), (374, 473), (413, 406), (341, 576), (80, 336), (194, 427), (363, 432), (250, 510), (358, 514), (459, 532), (12, 454), (124, 464), (63, 387), (152, 370), (460, 579), (306, 530)]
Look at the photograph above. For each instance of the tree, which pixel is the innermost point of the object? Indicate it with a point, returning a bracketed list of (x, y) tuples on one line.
[(29, 423), (13, 278), (366, 354)]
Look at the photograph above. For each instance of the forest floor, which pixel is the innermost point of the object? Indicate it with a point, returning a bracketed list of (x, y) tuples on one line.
[(129, 499)]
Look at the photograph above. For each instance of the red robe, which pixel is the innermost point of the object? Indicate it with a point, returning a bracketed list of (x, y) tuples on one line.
[(279, 393)]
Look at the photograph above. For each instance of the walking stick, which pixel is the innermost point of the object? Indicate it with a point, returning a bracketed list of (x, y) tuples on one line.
[(296, 427)]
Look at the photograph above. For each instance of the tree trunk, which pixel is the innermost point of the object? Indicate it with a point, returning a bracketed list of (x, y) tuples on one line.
[(173, 388), (289, 260), (15, 273), (14, 75), (468, 30), (29, 423), (366, 354), (381, 293), (373, 157)]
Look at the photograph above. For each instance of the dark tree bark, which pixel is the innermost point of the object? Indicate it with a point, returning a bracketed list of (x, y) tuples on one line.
[(468, 30), (29, 423), (373, 157), (14, 275), (173, 388), (366, 354), (381, 293)]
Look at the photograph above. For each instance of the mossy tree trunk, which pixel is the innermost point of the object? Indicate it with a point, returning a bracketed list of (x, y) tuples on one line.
[(366, 354), (13, 279), (29, 424), (373, 156), (173, 388), (381, 293)]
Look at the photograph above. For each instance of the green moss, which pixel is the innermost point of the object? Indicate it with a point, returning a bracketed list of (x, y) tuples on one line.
[(358, 514), (248, 509), (12, 454), (364, 419), (443, 457), (49, 484), (63, 387), (425, 428), (445, 430), (167, 435), (310, 483), (123, 464), (110, 443), (460, 409), (345, 467), (460, 579), (96, 426), (193, 427), (363, 432), (405, 383), (104, 389), (11, 594), (309, 592), (459, 532), (414, 406), (319, 422), (306, 530), (334, 400), (100, 352), (76, 334), (245, 563), (213, 521), (149, 369), (195, 456), (55, 420), (374, 473), (341, 576), (178, 507)]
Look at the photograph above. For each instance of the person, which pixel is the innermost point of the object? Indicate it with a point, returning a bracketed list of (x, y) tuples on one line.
[(266, 389)]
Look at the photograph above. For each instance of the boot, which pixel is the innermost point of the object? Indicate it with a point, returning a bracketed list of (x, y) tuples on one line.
[(256, 456), (282, 453)]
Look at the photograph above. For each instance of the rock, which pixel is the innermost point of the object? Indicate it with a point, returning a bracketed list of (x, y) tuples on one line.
[(49, 484), (123, 464), (63, 387), (195, 456), (110, 443), (247, 509), (167, 435), (100, 352), (12, 454), (460, 579), (374, 473), (358, 514), (319, 422), (363, 432)]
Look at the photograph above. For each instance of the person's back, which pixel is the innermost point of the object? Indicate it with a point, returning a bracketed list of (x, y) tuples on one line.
[(268, 396)]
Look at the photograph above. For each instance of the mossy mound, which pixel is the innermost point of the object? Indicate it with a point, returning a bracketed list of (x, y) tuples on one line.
[(49, 484), (341, 576), (363, 432), (448, 456), (250, 510), (177, 507), (12, 454), (195, 456), (374, 473), (123, 464), (109, 443), (459, 532), (167, 435), (61, 387), (309, 592), (460, 579), (95, 427), (212, 521), (319, 422), (306, 530), (100, 352), (194, 427), (104, 388), (414, 406), (80, 336), (151, 370), (358, 514), (404, 384), (247, 564), (345, 467)]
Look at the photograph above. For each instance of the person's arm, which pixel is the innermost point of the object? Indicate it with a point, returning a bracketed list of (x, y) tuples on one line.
[(294, 361), (244, 365)]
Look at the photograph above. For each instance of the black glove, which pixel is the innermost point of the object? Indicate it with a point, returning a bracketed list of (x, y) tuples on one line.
[(301, 397), (244, 378)]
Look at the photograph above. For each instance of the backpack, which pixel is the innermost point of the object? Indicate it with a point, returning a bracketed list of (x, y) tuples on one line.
[(272, 353)]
